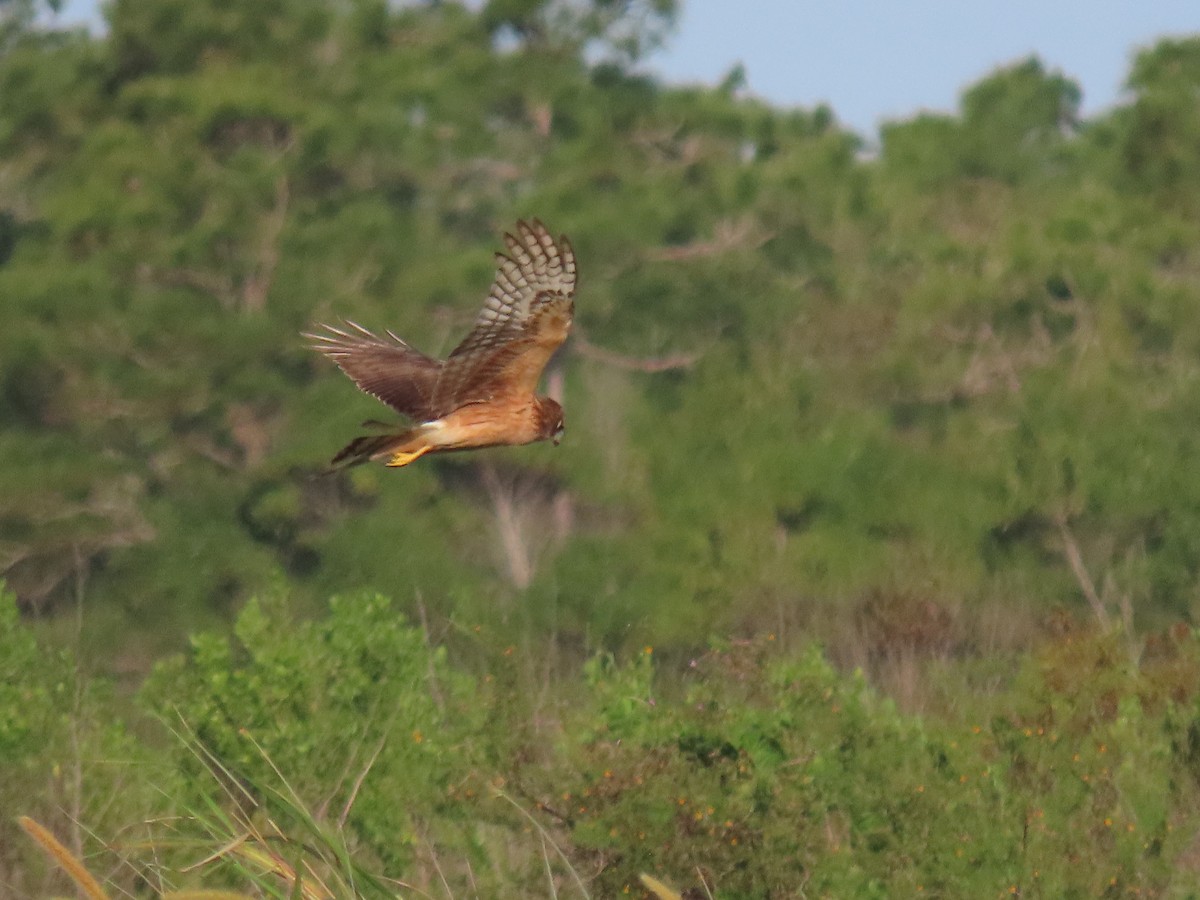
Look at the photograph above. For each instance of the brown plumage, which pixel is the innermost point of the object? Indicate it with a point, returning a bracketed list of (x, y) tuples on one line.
[(482, 395)]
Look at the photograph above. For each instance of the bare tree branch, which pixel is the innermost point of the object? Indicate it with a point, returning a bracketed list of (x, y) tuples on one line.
[(254, 288), (727, 236), (632, 363), (219, 287), (1075, 561), (508, 521), (258, 284)]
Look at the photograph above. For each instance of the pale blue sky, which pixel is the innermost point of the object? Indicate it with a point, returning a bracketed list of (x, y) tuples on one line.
[(874, 60)]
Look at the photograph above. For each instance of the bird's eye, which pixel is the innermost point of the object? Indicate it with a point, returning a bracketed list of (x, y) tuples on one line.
[(558, 433)]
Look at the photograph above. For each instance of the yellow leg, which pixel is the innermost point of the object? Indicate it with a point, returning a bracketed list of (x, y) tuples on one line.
[(404, 458)]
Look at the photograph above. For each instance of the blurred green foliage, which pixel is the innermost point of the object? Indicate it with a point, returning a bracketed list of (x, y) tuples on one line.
[(67, 758), (753, 769), (357, 709)]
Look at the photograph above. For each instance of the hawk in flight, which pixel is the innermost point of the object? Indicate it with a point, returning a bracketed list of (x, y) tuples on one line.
[(482, 395)]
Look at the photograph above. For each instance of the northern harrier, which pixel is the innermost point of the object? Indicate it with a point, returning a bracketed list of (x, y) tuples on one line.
[(482, 395)]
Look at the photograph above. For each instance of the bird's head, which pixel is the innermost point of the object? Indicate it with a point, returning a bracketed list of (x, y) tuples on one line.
[(550, 420)]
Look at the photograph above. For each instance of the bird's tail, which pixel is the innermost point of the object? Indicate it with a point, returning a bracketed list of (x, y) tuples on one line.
[(403, 447)]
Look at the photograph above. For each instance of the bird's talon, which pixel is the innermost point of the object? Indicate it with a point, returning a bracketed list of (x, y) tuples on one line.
[(404, 458)]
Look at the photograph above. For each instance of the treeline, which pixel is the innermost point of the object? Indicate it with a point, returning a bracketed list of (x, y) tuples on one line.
[(959, 370)]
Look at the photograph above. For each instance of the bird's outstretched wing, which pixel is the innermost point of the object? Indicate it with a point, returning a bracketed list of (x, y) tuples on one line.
[(384, 367), (525, 319)]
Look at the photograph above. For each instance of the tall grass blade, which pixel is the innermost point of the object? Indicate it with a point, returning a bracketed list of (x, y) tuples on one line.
[(66, 861), (658, 889)]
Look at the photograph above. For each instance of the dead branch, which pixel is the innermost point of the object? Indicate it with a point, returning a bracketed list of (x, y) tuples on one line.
[(727, 236), (258, 284), (1075, 561), (993, 364), (542, 115), (251, 431), (633, 363), (219, 287), (207, 448), (508, 521), (435, 690), (255, 287)]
